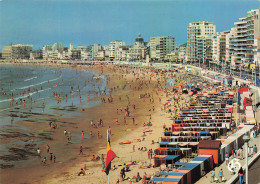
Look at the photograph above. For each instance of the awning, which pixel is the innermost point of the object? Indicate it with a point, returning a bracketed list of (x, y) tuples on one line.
[(193, 143), (171, 157), (183, 144), (162, 148), (160, 156), (173, 143)]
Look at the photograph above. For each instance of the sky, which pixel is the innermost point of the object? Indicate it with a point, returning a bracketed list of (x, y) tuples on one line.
[(85, 22)]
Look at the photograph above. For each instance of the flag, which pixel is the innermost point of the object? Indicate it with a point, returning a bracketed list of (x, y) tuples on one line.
[(257, 81), (110, 156)]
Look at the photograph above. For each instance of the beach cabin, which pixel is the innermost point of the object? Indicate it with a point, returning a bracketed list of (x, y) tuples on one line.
[(210, 147)]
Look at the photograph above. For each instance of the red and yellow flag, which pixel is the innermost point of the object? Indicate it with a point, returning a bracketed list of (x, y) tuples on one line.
[(110, 156)]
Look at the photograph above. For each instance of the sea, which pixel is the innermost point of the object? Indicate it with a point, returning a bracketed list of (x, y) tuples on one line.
[(27, 90)]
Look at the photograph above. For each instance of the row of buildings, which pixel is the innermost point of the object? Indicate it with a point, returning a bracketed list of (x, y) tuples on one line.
[(239, 46), (156, 49)]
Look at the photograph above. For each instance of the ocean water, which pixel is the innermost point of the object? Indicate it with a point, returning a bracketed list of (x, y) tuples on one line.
[(26, 91), (36, 85)]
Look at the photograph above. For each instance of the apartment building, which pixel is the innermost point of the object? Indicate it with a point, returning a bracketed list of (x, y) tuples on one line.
[(161, 46), (196, 31), (113, 49), (247, 33), (222, 46), (18, 51)]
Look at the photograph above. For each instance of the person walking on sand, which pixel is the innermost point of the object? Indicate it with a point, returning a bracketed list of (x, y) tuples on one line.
[(51, 156), (109, 131), (65, 132), (44, 161), (133, 121), (81, 150), (82, 134), (47, 148), (39, 152)]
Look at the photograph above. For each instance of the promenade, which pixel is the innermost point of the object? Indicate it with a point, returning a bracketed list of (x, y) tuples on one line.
[(253, 178)]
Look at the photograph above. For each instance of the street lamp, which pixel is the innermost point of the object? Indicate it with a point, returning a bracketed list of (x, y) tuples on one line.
[(246, 138)]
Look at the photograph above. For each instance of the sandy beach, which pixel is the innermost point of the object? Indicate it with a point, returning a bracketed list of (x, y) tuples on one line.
[(128, 88)]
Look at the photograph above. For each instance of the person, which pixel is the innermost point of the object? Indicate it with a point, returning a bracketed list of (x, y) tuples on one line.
[(220, 174), (51, 157), (241, 154), (44, 161), (80, 150), (82, 172), (38, 152), (212, 175), (103, 164), (241, 174), (54, 158), (138, 177), (122, 174), (254, 149), (82, 134), (47, 148), (226, 158)]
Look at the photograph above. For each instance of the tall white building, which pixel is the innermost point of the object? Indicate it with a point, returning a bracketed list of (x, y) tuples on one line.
[(113, 49), (229, 46), (247, 33), (161, 46), (195, 33), (57, 46)]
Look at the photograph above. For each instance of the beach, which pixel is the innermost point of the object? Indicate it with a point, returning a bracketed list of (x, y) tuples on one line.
[(128, 86)]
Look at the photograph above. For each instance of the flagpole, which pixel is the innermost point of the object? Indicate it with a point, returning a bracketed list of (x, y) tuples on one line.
[(108, 173)]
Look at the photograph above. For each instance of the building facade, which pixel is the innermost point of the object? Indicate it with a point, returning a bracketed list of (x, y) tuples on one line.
[(137, 52), (196, 31), (114, 48), (18, 51), (161, 46), (247, 33)]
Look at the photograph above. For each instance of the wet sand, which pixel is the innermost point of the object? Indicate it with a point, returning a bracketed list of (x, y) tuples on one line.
[(69, 162)]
